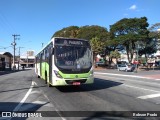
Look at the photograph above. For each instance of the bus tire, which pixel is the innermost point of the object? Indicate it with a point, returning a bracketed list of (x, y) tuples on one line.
[(48, 84), (45, 77), (38, 76), (47, 80)]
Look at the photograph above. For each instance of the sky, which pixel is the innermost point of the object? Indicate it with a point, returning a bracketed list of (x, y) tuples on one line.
[(37, 20)]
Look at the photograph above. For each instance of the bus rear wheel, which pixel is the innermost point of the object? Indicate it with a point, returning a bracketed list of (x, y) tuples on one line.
[(47, 80), (45, 77)]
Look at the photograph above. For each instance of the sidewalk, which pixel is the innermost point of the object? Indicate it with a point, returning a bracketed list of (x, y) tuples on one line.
[(11, 71), (6, 72)]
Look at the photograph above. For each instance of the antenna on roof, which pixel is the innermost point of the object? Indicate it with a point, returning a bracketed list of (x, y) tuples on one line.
[(42, 45)]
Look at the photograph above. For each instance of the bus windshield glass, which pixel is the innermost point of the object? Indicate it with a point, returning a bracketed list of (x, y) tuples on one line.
[(73, 58)]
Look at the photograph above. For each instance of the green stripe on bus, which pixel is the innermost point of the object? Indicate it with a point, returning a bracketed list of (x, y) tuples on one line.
[(74, 76)]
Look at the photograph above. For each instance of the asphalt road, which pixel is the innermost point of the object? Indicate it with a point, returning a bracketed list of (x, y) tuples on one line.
[(110, 95)]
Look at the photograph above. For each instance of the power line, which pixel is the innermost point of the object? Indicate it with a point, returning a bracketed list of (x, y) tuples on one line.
[(6, 24)]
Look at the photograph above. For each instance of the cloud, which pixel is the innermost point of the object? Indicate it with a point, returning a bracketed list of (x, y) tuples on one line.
[(133, 7)]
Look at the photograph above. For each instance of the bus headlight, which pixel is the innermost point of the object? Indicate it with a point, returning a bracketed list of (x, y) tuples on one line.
[(57, 74)]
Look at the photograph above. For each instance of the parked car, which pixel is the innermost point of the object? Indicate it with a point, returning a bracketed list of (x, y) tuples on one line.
[(100, 63), (125, 67)]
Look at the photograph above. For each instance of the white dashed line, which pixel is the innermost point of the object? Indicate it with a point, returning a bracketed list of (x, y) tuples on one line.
[(149, 96), (140, 88)]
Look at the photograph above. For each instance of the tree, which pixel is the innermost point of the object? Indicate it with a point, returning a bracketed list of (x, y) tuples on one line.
[(97, 45), (115, 54), (84, 32), (127, 31), (150, 45), (97, 36), (70, 32), (155, 33), (89, 32), (155, 27), (147, 47)]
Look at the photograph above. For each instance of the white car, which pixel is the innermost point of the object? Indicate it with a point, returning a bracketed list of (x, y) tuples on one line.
[(125, 67)]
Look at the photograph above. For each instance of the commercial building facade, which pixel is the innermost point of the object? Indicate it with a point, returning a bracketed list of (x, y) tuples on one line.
[(5, 61), (26, 60)]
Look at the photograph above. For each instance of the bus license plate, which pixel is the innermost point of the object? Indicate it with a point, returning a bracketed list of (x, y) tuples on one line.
[(76, 83)]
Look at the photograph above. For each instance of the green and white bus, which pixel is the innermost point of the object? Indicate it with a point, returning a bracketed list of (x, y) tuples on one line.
[(65, 61)]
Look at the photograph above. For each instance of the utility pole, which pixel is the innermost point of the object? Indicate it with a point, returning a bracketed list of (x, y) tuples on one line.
[(14, 49), (19, 56)]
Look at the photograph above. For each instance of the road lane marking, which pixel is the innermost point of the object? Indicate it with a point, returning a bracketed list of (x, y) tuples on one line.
[(44, 103), (119, 79), (35, 92), (42, 92), (25, 97), (149, 96), (135, 86), (34, 104), (61, 116), (133, 76), (140, 88)]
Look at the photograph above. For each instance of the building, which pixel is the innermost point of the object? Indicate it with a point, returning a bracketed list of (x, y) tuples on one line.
[(5, 61), (30, 53), (27, 60)]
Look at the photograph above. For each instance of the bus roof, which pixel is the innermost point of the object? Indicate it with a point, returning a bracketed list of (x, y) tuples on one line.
[(68, 38), (52, 40)]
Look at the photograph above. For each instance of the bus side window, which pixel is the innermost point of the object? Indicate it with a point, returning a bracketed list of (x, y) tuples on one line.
[(36, 59), (39, 57), (52, 51), (43, 55)]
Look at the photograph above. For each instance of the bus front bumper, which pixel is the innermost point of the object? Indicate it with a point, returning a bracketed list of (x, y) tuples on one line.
[(78, 81)]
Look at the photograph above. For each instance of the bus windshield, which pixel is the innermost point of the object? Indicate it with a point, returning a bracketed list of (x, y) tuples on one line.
[(73, 58)]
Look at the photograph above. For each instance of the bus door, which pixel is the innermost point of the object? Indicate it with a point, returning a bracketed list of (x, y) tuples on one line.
[(50, 64), (50, 68)]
